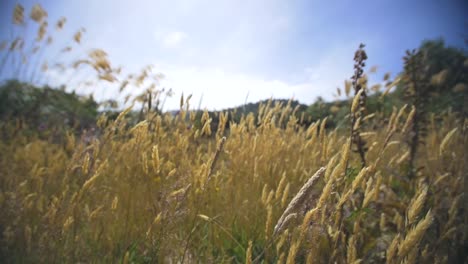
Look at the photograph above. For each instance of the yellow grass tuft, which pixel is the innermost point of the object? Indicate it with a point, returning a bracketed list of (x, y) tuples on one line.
[(414, 235)]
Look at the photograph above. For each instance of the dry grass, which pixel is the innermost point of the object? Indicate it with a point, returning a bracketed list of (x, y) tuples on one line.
[(137, 193), (159, 192)]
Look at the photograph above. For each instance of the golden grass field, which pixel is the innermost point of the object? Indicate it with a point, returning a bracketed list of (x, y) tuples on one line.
[(263, 190)]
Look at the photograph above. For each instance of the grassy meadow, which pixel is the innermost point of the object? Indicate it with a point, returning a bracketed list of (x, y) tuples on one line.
[(174, 188)]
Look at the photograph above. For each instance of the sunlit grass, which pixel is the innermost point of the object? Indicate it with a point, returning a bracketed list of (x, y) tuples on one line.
[(264, 189)]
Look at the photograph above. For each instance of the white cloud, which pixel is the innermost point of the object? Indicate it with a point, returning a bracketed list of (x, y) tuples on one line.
[(221, 89), (171, 39), (217, 88)]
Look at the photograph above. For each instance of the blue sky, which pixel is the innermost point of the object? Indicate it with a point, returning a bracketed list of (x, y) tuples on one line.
[(225, 50)]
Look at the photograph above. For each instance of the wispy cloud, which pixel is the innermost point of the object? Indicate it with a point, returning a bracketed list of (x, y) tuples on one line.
[(171, 39)]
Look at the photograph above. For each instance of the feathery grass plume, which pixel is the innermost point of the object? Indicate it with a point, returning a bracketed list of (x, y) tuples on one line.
[(155, 159), (115, 203), (302, 233), (281, 184), (409, 120), (383, 222), (156, 221), (223, 119), (85, 166), (306, 222), (282, 241), (248, 255), (61, 23), (285, 195), (38, 13), (414, 235), (270, 197), (392, 120), (171, 173), (356, 182), (399, 221), (460, 88), (416, 205), (298, 200), (269, 221), (219, 149), (348, 85), (439, 78), (412, 256), (351, 250), (68, 222), (403, 158), (222, 228), (322, 139), (446, 140), (392, 250), (425, 253), (281, 257), (204, 217), (441, 179), (292, 253), (378, 183), (356, 99), (18, 15), (94, 213), (93, 178), (330, 164), (327, 191), (400, 113), (368, 117), (42, 31), (126, 259), (447, 235), (206, 129), (345, 151), (360, 177), (289, 219), (144, 161), (369, 193)]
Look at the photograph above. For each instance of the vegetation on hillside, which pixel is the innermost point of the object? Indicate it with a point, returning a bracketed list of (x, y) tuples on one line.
[(46, 107)]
